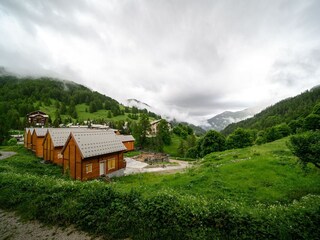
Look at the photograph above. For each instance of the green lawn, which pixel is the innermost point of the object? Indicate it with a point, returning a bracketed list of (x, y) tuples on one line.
[(172, 149), (253, 193), (266, 173)]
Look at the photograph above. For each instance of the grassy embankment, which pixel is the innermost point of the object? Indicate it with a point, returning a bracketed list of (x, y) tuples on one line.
[(257, 192)]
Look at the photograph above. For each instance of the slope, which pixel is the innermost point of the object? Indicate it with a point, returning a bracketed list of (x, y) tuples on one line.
[(282, 112)]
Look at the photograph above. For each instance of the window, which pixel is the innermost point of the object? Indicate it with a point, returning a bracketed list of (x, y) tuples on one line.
[(111, 163), (89, 168)]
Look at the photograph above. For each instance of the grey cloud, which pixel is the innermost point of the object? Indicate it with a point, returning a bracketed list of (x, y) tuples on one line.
[(195, 57)]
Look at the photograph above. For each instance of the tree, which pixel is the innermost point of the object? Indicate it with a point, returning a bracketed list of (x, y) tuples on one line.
[(164, 132), (182, 149), (306, 147), (141, 129), (92, 107), (312, 122), (213, 141), (239, 139)]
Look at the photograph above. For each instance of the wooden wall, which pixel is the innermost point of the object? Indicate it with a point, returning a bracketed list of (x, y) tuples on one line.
[(39, 147), (95, 161), (57, 157), (72, 160), (47, 147), (25, 138), (129, 145), (76, 166), (29, 140)]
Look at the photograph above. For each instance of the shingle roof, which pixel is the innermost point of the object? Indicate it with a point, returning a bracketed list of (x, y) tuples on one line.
[(59, 136), (97, 143), (41, 132), (126, 138)]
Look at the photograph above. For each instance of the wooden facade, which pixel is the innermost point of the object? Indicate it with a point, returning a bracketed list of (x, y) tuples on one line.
[(25, 137), (51, 152), (37, 118), (128, 141), (54, 141), (84, 164), (129, 145), (29, 138), (37, 141)]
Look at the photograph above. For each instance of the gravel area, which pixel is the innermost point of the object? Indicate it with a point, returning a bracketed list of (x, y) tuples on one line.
[(134, 167), (4, 155), (13, 228)]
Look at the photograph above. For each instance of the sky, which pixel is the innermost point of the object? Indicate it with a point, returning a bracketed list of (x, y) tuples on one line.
[(188, 59)]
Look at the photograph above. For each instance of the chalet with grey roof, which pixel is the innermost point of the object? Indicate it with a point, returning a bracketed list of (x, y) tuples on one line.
[(128, 141), (37, 141), (27, 137), (54, 141), (89, 155)]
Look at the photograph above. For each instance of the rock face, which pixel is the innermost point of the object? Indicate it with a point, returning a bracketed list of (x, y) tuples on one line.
[(152, 158)]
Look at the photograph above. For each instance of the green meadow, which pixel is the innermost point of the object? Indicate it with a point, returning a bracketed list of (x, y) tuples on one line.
[(258, 192)]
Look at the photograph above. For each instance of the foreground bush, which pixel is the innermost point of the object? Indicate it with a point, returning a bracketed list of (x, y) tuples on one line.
[(99, 209)]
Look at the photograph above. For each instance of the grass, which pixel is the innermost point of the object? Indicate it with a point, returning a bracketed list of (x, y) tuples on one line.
[(132, 153), (25, 162), (172, 149), (253, 193), (266, 173)]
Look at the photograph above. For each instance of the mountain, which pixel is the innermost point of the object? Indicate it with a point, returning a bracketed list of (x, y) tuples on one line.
[(222, 120), (286, 111), (64, 102)]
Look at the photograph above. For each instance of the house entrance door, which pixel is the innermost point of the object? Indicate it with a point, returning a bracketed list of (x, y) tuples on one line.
[(102, 167)]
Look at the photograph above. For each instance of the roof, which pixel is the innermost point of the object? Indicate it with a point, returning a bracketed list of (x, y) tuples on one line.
[(126, 138), (36, 113), (59, 136), (96, 143), (41, 132)]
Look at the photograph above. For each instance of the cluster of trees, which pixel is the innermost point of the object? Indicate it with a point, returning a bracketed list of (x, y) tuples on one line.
[(141, 132), (214, 141), (306, 145)]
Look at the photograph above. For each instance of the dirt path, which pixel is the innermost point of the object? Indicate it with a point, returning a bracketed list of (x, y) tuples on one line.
[(13, 228), (4, 155)]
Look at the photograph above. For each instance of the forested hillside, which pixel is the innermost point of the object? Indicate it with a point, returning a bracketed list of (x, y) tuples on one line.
[(286, 111), (64, 101)]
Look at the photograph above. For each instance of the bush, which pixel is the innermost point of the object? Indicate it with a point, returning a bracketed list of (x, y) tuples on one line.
[(306, 147), (12, 142), (99, 209), (239, 139)]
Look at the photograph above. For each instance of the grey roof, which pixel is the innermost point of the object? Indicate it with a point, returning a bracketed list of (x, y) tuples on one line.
[(59, 136), (97, 143), (126, 138), (41, 132)]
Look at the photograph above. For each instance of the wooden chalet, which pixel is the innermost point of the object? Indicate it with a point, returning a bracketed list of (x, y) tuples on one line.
[(37, 118), (28, 138), (128, 141), (37, 141), (25, 137), (54, 141), (89, 155)]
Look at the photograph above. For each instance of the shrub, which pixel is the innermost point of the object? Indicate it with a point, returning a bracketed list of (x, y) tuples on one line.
[(12, 142), (306, 147)]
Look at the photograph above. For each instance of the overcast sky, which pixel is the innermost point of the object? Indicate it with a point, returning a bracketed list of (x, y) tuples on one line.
[(189, 59)]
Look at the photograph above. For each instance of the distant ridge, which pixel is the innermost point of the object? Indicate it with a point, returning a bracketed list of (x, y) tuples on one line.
[(285, 111), (222, 120)]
